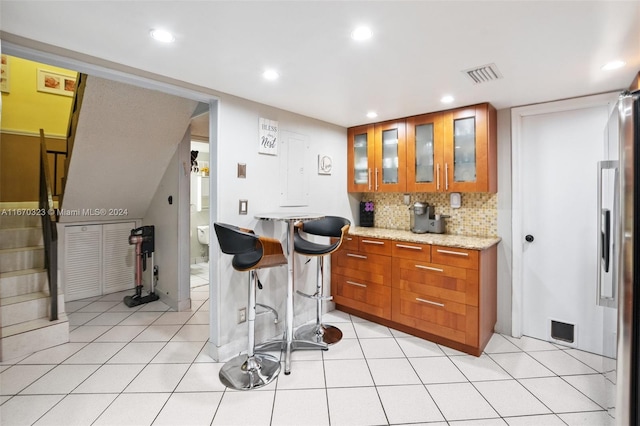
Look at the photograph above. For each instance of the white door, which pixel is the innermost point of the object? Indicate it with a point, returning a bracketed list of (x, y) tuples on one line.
[(556, 150)]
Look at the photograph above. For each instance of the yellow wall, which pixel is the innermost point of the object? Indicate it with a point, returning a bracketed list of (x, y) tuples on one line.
[(25, 110)]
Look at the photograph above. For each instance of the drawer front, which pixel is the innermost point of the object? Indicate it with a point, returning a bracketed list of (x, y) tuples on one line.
[(350, 243), (421, 252), (454, 256), (451, 320), (430, 280), (362, 295), (365, 267), (375, 246)]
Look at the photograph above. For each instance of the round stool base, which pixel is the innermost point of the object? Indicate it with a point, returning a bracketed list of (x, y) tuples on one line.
[(244, 373), (327, 333)]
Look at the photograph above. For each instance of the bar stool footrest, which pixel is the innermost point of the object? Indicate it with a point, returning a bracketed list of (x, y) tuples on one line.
[(314, 296)]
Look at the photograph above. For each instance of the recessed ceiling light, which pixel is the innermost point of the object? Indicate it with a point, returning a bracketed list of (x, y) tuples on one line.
[(361, 33), (162, 35), (372, 114), (271, 74), (613, 65), (446, 99)]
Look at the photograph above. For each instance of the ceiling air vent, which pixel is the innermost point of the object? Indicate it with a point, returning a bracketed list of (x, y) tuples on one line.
[(483, 74)]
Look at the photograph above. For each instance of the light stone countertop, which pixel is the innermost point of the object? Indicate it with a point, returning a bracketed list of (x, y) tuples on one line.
[(461, 241)]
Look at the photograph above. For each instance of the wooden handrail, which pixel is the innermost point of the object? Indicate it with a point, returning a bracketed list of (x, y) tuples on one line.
[(50, 233)]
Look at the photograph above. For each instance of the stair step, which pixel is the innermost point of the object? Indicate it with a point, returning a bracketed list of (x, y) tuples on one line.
[(27, 307), (16, 283), (10, 220), (21, 258), (20, 237), (28, 337)]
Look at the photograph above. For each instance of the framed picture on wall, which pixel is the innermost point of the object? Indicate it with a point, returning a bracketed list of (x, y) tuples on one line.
[(56, 83), (4, 74)]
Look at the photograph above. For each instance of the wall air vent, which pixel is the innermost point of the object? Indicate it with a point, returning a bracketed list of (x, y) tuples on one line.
[(483, 74)]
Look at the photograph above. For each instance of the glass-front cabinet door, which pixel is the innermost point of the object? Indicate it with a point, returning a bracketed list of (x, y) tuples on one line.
[(360, 158), (467, 154), (390, 157), (424, 153)]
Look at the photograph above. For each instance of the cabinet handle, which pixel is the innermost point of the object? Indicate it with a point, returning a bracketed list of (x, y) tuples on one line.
[(446, 176), (457, 253), (373, 242), (369, 180), (430, 268), (430, 302), (359, 256), (356, 284), (349, 239), (376, 179), (408, 247), (438, 177)]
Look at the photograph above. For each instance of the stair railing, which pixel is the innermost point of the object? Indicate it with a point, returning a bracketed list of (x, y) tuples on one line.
[(49, 231)]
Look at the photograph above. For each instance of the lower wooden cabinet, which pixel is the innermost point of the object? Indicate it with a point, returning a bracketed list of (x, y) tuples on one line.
[(362, 280), (443, 294)]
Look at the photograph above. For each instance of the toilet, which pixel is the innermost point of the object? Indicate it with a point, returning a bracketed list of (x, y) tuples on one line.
[(203, 234)]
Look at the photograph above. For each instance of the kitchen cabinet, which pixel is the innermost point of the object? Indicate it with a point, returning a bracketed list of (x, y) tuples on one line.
[(470, 149), (361, 276), (446, 151), (376, 156), (443, 294), (425, 145)]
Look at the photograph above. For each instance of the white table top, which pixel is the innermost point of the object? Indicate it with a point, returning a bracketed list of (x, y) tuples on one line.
[(288, 216)]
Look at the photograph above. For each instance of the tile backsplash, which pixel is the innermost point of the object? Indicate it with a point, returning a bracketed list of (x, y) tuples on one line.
[(477, 216)]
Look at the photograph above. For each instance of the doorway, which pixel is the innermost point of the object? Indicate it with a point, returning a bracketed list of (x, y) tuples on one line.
[(199, 197), (556, 148)]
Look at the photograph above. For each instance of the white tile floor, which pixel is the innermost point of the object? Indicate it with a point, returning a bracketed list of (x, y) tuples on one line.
[(149, 365)]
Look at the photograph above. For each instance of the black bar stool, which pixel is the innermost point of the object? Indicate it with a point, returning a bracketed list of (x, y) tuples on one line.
[(328, 226), (250, 252)]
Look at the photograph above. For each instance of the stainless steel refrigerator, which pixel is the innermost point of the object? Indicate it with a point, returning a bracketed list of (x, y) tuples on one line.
[(627, 411)]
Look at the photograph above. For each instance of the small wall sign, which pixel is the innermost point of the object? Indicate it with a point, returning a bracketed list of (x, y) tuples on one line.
[(325, 164), (268, 137)]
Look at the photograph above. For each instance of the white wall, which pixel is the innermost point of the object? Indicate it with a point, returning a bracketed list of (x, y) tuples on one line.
[(171, 223), (503, 324), (237, 142)]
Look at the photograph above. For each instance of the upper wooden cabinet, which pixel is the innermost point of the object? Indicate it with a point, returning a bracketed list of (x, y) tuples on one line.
[(448, 151), (425, 146), (376, 157), (470, 149)]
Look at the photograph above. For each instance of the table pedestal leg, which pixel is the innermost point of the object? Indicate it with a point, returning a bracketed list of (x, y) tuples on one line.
[(288, 344)]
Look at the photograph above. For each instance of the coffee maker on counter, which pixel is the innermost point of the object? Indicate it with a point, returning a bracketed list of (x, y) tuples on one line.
[(424, 219)]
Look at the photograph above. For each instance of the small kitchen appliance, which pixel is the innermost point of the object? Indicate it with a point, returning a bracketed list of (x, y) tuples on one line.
[(420, 215), (424, 219)]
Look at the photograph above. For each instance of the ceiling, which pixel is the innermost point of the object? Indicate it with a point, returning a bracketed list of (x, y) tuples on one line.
[(545, 50)]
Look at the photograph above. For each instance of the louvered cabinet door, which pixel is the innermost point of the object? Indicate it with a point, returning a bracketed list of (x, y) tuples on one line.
[(83, 260), (118, 258)]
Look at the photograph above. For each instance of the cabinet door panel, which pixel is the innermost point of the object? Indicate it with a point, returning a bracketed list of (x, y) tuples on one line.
[(470, 154), (372, 268), (436, 316), (416, 251), (390, 157), (360, 158), (430, 280), (425, 153), (375, 246), (463, 258), (362, 295)]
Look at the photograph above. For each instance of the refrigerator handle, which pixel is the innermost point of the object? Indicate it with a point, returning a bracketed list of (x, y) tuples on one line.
[(607, 244)]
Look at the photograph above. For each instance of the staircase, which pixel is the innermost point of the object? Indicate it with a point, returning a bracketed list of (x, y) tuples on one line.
[(25, 326)]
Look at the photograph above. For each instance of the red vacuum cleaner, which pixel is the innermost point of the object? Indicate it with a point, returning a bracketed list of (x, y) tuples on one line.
[(143, 239)]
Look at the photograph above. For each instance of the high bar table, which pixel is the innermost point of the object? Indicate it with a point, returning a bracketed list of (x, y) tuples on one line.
[(288, 343)]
